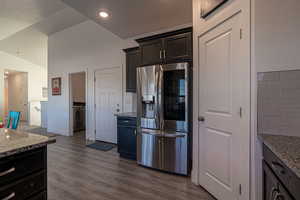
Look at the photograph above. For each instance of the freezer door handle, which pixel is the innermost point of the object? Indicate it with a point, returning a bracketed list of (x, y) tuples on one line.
[(165, 135)]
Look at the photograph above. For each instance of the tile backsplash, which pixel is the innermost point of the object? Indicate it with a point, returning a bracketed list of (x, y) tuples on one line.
[(279, 103)]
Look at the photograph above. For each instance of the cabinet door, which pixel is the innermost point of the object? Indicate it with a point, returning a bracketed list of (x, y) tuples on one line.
[(149, 150), (132, 62), (273, 189), (174, 154), (127, 142), (151, 52), (270, 184), (178, 47)]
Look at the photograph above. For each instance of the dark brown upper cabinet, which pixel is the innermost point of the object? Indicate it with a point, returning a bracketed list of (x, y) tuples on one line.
[(151, 52), (178, 47), (168, 47), (132, 62)]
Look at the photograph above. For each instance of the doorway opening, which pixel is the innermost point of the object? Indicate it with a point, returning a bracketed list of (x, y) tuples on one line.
[(77, 83), (16, 94)]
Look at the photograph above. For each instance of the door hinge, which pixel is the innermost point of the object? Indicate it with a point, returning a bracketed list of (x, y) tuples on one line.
[(240, 189), (241, 33), (241, 112)]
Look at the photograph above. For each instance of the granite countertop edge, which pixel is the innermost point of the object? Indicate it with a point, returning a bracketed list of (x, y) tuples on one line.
[(22, 149), (127, 114), (283, 154)]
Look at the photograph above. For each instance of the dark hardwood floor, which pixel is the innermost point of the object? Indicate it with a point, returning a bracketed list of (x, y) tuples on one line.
[(79, 173)]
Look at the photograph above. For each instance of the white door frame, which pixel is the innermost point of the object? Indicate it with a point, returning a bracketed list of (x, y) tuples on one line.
[(71, 131), (94, 96)]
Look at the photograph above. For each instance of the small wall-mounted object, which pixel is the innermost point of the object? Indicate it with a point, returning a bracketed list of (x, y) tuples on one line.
[(45, 92), (209, 6), (56, 86)]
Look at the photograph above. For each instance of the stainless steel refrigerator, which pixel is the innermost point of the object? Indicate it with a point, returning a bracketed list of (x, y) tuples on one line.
[(163, 117)]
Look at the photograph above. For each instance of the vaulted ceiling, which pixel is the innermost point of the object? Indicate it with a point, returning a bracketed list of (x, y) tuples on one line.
[(16, 15), (129, 18), (26, 24)]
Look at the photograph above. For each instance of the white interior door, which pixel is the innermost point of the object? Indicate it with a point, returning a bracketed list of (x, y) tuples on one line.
[(18, 94), (108, 97), (222, 130)]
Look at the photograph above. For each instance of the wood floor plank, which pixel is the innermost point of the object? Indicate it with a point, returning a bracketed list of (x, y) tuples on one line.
[(76, 172)]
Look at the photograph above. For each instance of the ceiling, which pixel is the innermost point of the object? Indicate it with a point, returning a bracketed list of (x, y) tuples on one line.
[(15, 15), (129, 18), (26, 25)]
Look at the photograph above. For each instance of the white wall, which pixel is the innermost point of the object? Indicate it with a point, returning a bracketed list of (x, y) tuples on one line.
[(277, 29), (37, 77), (83, 47)]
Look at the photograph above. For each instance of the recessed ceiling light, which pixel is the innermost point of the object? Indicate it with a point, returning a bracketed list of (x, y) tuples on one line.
[(103, 14)]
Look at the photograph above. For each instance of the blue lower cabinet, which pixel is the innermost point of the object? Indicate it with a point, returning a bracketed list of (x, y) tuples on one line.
[(127, 137)]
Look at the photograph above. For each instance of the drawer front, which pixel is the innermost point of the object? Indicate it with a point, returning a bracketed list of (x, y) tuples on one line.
[(16, 167), (41, 196), (127, 122), (25, 188), (174, 154), (149, 145)]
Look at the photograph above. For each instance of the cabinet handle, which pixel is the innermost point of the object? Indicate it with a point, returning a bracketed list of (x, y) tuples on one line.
[(12, 195), (279, 196), (164, 54), (278, 166), (273, 193), (160, 54), (11, 170)]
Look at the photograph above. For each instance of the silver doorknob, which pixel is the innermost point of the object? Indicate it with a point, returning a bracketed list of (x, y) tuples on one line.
[(201, 119)]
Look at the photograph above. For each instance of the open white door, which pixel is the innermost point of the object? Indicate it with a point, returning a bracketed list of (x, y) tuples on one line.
[(108, 100), (17, 83), (223, 157)]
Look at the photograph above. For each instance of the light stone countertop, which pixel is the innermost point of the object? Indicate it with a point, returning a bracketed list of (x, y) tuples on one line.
[(127, 114), (286, 148), (14, 142)]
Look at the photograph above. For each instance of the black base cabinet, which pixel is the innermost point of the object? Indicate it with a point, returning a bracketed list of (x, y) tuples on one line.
[(279, 182), (274, 190), (24, 176), (127, 137)]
